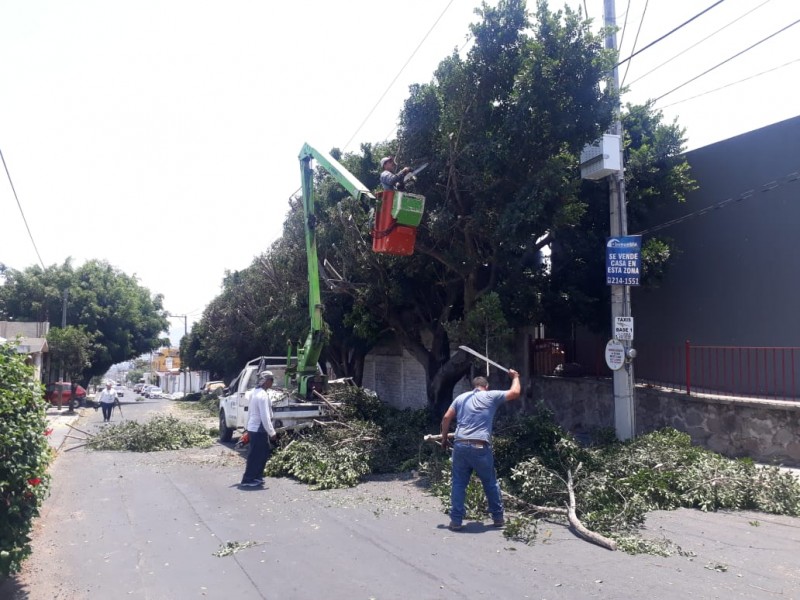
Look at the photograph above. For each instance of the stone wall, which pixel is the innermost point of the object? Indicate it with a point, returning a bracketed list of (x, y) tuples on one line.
[(764, 430)]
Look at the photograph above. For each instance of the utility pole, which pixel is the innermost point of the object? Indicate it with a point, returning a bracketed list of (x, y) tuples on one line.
[(624, 403), (64, 297)]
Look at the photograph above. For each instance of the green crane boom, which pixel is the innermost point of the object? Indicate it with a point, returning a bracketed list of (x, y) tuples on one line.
[(305, 369)]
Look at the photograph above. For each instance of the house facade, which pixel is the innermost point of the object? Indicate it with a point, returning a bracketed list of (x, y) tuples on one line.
[(32, 341)]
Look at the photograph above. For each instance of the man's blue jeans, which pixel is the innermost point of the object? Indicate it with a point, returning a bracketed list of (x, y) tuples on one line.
[(466, 459)]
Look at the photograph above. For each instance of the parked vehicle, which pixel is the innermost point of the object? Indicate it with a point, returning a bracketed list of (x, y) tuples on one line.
[(59, 393), (155, 392), (213, 386), (138, 388), (288, 410)]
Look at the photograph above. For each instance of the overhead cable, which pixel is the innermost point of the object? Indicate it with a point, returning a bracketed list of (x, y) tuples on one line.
[(625, 25), (669, 33), (727, 85), (685, 50), (767, 187), (707, 71), (635, 41), (372, 110), (41, 262)]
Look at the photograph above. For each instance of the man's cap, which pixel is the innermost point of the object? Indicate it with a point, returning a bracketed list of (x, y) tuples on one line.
[(264, 375), (386, 159)]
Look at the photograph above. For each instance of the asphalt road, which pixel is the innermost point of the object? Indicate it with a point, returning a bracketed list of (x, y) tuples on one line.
[(147, 526)]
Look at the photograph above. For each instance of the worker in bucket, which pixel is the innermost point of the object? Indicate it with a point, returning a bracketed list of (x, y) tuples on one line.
[(260, 431), (472, 445), (389, 179)]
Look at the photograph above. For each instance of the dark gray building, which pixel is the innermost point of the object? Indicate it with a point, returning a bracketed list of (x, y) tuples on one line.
[(735, 282)]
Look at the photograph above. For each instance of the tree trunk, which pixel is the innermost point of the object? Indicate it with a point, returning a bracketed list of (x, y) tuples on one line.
[(440, 386)]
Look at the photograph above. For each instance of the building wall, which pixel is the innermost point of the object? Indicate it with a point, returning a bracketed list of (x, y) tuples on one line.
[(766, 431), (398, 379), (736, 278)]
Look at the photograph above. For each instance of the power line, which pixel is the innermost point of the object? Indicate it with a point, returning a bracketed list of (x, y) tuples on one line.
[(685, 50), (669, 33), (767, 187), (761, 41), (460, 50), (30, 235), (372, 110), (635, 40), (625, 24), (786, 64)]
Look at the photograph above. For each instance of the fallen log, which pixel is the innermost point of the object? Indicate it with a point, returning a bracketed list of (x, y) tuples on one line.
[(579, 528)]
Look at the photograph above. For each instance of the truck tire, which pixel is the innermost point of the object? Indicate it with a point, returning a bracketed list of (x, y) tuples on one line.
[(225, 432)]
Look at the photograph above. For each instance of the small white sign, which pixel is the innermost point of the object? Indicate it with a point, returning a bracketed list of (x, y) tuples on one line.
[(623, 328), (615, 355)]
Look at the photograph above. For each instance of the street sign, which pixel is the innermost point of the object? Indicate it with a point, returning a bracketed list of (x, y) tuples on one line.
[(623, 328), (623, 260), (615, 355)]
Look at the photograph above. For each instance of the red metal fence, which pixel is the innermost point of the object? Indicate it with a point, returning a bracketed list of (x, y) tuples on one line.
[(743, 371)]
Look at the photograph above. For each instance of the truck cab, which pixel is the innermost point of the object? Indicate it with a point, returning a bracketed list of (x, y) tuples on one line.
[(288, 411)]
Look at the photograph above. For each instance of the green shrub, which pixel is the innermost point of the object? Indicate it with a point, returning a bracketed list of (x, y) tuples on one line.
[(24, 457)]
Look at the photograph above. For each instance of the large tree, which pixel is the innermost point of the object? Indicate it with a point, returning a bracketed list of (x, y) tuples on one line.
[(122, 318), (501, 129)]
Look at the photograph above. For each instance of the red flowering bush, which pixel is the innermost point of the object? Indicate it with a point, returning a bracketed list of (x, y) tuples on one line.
[(24, 457)]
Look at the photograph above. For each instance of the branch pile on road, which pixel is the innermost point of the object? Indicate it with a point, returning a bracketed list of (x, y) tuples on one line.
[(609, 487), (162, 432), (364, 436)]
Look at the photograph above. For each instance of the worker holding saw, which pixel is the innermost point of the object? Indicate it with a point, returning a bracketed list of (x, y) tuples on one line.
[(389, 179), (472, 449)]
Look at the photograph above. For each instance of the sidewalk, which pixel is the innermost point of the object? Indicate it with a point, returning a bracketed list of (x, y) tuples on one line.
[(59, 421)]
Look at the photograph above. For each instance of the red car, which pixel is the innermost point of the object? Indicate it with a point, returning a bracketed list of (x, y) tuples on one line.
[(60, 393)]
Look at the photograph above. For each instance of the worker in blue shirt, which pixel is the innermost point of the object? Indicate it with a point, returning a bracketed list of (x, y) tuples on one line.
[(472, 445)]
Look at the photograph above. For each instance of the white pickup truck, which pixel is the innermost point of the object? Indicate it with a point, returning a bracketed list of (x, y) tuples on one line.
[(288, 412)]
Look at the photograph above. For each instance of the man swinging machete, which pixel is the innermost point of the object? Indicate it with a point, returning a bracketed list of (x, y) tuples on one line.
[(472, 449)]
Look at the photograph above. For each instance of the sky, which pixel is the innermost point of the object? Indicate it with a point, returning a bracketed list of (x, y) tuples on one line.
[(162, 135)]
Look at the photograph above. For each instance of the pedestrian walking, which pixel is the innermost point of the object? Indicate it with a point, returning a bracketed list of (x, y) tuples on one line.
[(106, 399), (472, 445), (260, 431)]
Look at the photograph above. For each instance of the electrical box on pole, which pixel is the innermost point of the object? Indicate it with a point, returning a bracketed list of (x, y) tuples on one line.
[(602, 158)]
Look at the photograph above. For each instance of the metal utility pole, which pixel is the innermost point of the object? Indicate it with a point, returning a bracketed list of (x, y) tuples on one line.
[(624, 415)]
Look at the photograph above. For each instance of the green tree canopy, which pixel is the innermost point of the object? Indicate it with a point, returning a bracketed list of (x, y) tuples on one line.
[(121, 317)]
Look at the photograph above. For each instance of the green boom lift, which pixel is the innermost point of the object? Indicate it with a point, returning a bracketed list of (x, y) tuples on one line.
[(397, 216)]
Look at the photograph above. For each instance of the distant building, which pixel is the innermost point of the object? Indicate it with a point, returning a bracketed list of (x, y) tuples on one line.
[(32, 341)]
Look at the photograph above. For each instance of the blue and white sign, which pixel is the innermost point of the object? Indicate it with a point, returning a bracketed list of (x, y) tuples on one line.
[(623, 260)]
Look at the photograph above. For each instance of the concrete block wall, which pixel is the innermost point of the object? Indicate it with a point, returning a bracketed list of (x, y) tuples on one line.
[(399, 380), (767, 431)]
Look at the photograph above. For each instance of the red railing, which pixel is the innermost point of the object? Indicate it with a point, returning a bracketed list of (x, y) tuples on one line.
[(742, 371)]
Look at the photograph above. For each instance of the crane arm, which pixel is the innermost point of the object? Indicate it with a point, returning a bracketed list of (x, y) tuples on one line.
[(308, 356)]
